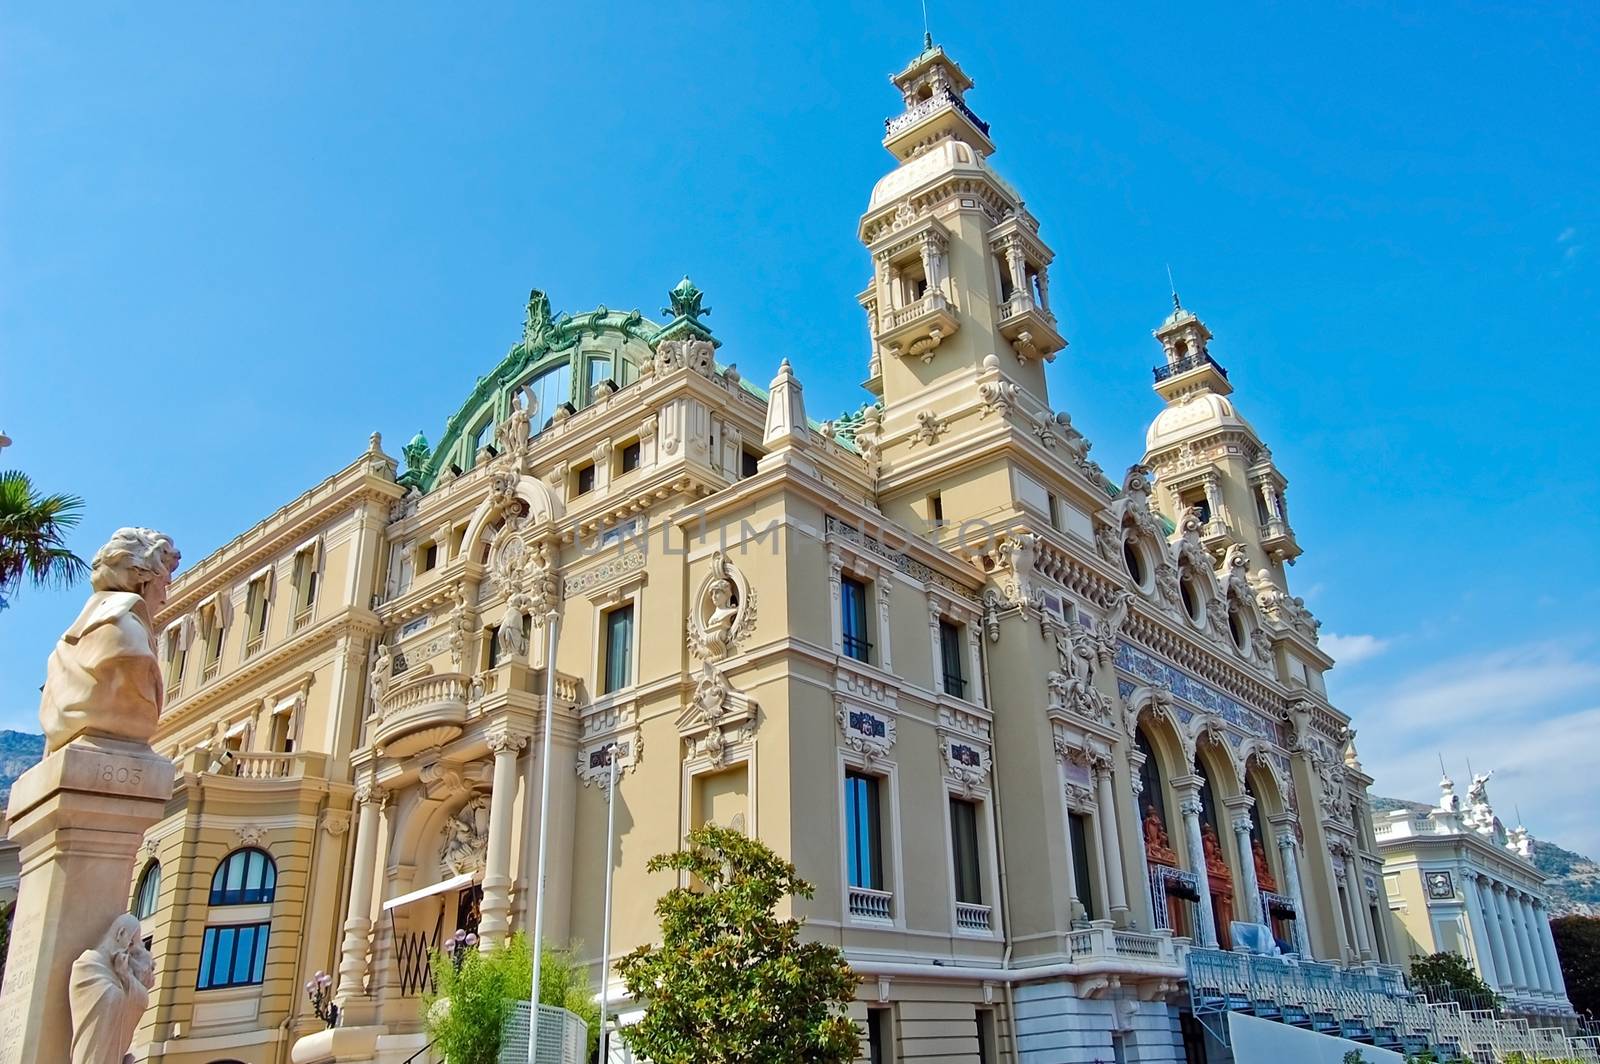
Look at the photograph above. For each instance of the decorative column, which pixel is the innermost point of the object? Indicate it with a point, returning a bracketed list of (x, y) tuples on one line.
[(1247, 869), (358, 913), (1548, 941), (1044, 288), (1111, 859), (1502, 907), (1541, 963), (1354, 892), (493, 922), (1504, 980), (1480, 934), (1206, 933), (1291, 872), (1530, 970)]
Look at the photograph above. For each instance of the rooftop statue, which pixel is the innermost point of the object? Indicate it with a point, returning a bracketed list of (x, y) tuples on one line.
[(110, 990), (104, 677)]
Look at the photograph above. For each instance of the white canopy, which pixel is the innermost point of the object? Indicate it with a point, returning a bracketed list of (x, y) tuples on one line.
[(466, 879)]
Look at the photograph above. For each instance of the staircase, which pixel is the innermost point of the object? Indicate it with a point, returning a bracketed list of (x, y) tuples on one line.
[(1371, 1005)]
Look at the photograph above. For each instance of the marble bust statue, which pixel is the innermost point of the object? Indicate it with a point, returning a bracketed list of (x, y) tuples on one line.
[(110, 989), (104, 676)]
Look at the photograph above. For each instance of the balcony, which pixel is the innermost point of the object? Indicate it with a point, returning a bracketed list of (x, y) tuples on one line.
[(872, 905), (918, 328), (421, 711), (1030, 328), (1277, 539), (942, 113), (302, 618), (1101, 942), (1185, 365), (253, 645), (974, 919), (212, 668)]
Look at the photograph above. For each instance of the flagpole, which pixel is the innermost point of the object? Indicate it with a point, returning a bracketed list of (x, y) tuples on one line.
[(605, 927), (552, 622)]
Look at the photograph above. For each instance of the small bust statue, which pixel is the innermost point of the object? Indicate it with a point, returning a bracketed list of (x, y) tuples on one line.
[(104, 676), (110, 989)]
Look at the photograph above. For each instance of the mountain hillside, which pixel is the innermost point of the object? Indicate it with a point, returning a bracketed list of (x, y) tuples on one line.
[(19, 751), (1573, 880)]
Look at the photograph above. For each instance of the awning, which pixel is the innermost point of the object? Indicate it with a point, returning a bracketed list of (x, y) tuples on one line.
[(466, 879)]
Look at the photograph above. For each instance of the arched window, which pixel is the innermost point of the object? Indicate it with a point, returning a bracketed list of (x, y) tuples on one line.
[(148, 892), (1150, 791), (245, 877)]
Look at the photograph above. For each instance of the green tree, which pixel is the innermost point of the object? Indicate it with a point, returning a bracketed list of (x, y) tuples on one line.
[(1441, 976), (731, 983), (33, 530), (469, 1006), (1578, 949)]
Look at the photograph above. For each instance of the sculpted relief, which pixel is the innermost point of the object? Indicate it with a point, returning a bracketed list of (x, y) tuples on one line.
[(466, 838)]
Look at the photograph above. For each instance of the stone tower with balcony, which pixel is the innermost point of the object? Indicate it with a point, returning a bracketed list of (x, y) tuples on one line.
[(1208, 459), (959, 315)]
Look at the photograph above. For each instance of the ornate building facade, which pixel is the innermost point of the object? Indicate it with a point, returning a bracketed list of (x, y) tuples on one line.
[(1029, 731), (1457, 881)]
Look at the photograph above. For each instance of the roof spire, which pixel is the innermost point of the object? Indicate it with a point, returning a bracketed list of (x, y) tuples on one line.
[(927, 32), (1176, 305)]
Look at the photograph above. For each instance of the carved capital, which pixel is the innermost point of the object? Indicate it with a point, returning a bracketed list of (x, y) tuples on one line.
[(1190, 807), (507, 741), (369, 793)]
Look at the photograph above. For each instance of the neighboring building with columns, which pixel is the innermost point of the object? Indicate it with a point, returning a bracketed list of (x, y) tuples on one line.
[(1027, 730), (1457, 881)]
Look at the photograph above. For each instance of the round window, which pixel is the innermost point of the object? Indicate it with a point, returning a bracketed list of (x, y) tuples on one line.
[(1133, 561)]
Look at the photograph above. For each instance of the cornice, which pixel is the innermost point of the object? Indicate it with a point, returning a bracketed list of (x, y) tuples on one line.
[(283, 529)]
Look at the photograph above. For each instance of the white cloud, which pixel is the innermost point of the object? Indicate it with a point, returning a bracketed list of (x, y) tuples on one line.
[(1348, 650), (1530, 713), (1568, 235)]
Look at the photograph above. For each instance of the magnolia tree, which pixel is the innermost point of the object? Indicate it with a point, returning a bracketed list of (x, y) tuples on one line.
[(730, 982)]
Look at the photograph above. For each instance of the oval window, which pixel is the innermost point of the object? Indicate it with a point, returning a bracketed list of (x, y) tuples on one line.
[(1191, 598), (1134, 562), (1236, 626)]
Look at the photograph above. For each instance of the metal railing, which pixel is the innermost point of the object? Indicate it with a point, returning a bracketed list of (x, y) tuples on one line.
[(1185, 364), (923, 108), (1370, 1004)]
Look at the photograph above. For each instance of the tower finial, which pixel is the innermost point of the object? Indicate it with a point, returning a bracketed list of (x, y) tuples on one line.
[(927, 31), (1174, 289)]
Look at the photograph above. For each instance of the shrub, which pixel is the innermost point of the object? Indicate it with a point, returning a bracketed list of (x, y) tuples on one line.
[(465, 1013)]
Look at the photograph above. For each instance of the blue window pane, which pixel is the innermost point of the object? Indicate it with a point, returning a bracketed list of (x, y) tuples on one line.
[(259, 971), (227, 938), (243, 953), (207, 945)]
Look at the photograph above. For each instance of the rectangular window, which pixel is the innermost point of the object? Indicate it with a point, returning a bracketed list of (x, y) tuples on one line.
[(177, 656), (1262, 514), (233, 956), (1078, 835), (853, 609), (256, 601), (879, 1036), (630, 457), (491, 647), (863, 830), (305, 585), (281, 739), (585, 479), (1199, 502), (212, 621), (964, 850), (749, 463), (936, 509), (599, 370), (955, 681), (619, 648)]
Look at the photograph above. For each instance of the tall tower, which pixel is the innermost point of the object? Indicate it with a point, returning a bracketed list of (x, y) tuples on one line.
[(958, 308), (1206, 457)]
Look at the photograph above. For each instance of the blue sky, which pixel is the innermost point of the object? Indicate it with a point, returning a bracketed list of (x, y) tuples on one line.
[(235, 241)]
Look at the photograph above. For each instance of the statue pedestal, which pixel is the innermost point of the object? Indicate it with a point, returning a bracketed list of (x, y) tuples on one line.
[(341, 1045), (78, 817)]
